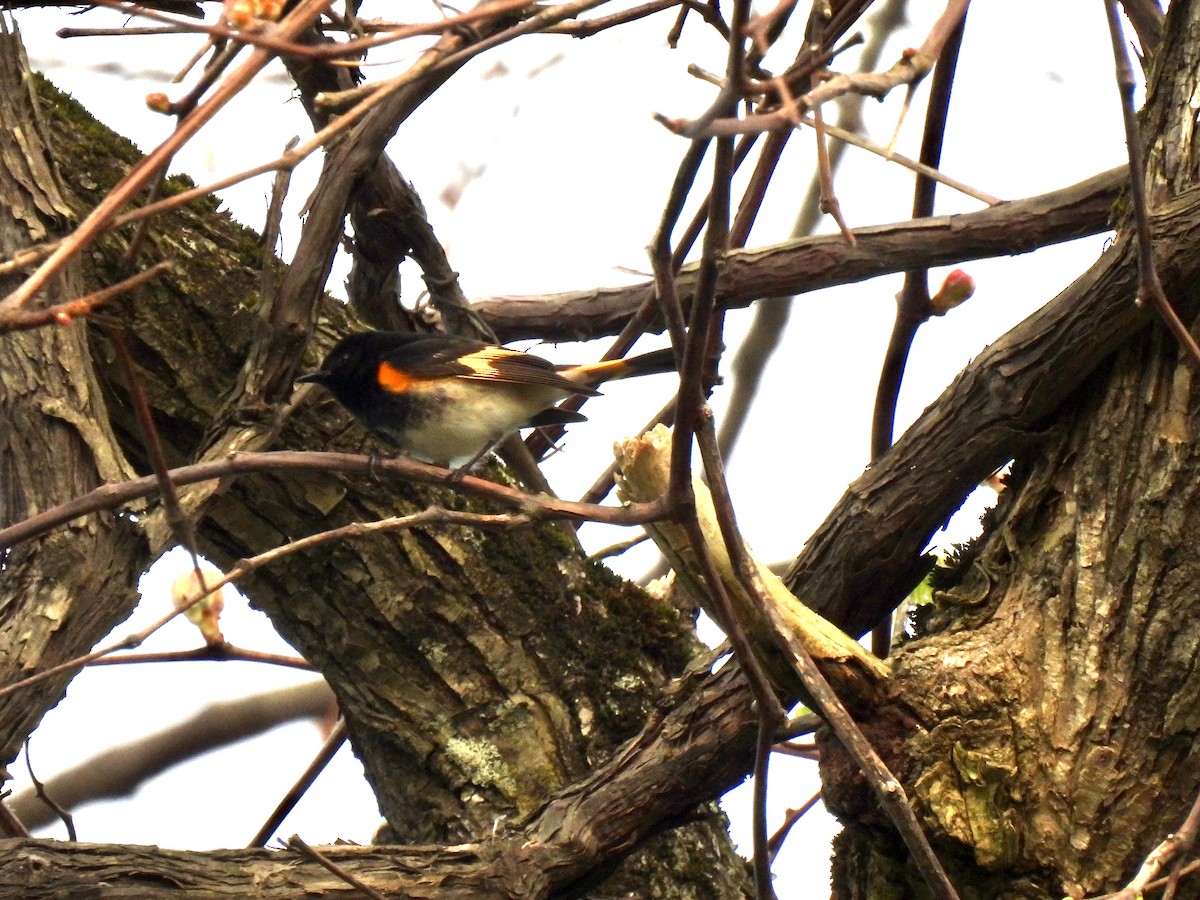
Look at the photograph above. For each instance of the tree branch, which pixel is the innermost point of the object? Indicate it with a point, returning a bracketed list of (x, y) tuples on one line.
[(809, 264), (119, 771)]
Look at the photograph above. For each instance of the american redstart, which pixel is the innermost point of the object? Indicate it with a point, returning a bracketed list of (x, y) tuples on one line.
[(448, 400)]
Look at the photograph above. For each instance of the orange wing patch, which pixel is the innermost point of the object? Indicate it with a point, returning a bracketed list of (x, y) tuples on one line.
[(392, 379)]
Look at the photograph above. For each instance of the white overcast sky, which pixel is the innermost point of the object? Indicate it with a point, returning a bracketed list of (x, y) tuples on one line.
[(574, 174)]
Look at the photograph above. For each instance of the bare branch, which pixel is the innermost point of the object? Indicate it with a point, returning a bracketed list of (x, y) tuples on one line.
[(809, 264), (65, 312), (119, 771), (113, 496)]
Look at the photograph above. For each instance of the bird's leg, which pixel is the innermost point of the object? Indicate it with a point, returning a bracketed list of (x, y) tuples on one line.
[(457, 474)]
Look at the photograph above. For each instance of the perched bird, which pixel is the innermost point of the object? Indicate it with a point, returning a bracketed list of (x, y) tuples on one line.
[(448, 400)]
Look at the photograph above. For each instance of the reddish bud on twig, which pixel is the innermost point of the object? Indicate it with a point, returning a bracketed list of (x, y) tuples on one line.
[(957, 287)]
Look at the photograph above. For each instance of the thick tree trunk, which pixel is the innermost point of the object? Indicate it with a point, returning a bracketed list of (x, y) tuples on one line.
[(1047, 725)]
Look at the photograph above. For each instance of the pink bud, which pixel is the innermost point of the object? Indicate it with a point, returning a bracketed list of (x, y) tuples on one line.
[(957, 287)]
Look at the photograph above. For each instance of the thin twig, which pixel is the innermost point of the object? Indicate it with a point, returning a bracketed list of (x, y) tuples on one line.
[(748, 575), (535, 506), (618, 548), (195, 58), (271, 228), (793, 816), (692, 417), (324, 756), (1174, 847), (661, 262), (698, 364), (1177, 873), (271, 40), (804, 723), (771, 316), (429, 516), (139, 234), (887, 788), (603, 484), (587, 27), (10, 825), (913, 305), (66, 312), (207, 653), (762, 841), (67, 819), (122, 32), (458, 22), (776, 120), (910, 69), (829, 201), (277, 42), (1146, 17), (296, 843), (245, 566), (544, 18), (808, 750), (181, 525)]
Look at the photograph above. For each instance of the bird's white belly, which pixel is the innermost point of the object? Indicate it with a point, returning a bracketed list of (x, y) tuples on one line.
[(466, 418)]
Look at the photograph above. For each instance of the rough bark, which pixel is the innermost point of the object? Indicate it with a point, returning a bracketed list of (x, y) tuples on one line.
[(1047, 722), (62, 591)]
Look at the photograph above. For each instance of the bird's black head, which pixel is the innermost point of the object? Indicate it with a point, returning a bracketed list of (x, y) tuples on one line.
[(349, 371)]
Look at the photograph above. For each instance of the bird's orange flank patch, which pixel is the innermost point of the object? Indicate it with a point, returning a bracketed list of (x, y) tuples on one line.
[(392, 379)]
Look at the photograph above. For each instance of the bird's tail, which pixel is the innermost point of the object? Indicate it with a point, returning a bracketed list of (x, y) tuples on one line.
[(592, 374)]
